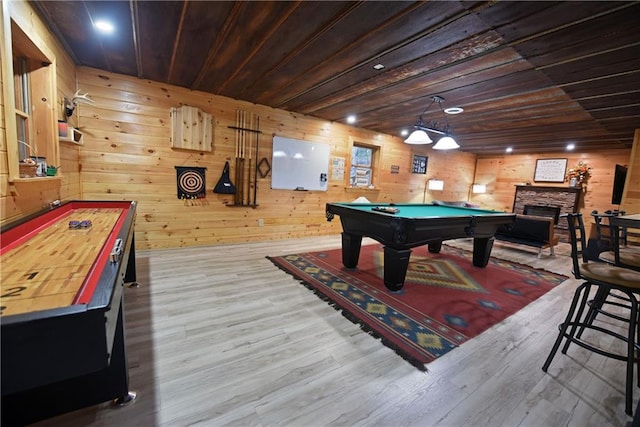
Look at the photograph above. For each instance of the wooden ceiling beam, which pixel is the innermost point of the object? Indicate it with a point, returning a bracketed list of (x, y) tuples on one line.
[(220, 39), (285, 101), (135, 29), (176, 42), (263, 39)]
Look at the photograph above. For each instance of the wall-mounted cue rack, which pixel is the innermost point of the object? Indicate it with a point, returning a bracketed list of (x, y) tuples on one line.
[(246, 161)]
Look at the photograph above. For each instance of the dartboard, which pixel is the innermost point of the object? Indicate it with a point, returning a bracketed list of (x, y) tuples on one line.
[(191, 182)]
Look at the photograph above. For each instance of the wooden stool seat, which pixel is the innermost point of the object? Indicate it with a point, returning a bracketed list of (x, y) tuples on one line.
[(629, 256), (613, 275)]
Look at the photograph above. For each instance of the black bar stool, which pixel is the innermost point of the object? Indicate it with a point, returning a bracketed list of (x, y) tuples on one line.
[(609, 240), (604, 278)]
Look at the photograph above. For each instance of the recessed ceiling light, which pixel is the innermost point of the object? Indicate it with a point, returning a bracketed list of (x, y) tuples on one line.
[(571, 146), (509, 149), (378, 67), (453, 110), (351, 119), (104, 26), (404, 132)]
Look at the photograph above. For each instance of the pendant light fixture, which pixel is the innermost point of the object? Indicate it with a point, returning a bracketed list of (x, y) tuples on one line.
[(420, 135)]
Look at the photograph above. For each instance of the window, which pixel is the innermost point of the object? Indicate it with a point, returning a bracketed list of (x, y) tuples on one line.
[(29, 93), (363, 165), (21, 87)]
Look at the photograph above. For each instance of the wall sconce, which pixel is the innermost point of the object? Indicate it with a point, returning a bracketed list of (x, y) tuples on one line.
[(479, 189), (436, 184)]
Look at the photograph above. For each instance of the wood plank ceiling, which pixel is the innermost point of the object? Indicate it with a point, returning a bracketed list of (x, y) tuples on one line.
[(533, 76)]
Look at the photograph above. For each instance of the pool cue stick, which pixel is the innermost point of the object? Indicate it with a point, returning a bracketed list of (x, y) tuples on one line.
[(237, 153), (239, 183), (242, 155), (247, 123), (248, 157), (255, 167), (424, 193), (251, 118), (240, 137), (240, 164)]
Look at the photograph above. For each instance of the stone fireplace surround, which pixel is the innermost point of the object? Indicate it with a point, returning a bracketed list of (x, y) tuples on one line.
[(566, 198)]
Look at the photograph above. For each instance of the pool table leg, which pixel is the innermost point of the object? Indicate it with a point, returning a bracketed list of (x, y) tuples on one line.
[(435, 246), (396, 262), (482, 250), (351, 244)]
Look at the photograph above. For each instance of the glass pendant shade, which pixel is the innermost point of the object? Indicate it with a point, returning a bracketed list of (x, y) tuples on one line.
[(446, 143), (418, 137)]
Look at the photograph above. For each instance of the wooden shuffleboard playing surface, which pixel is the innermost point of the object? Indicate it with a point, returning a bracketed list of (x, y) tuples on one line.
[(49, 269)]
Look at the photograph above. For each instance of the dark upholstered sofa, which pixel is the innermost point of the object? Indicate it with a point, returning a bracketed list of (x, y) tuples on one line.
[(530, 230)]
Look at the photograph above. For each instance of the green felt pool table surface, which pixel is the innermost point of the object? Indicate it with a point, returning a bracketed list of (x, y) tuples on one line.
[(415, 210)]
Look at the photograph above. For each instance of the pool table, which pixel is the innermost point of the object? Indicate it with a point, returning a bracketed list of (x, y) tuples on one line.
[(62, 309), (400, 227)]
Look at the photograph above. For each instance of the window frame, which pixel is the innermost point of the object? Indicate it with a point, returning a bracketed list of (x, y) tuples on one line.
[(40, 121), (374, 167)]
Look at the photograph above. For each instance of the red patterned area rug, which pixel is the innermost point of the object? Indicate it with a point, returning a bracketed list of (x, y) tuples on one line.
[(445, 300)]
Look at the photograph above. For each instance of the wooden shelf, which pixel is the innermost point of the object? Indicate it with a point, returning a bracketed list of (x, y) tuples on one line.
[(36, 179), (359, 189), (69, 134)]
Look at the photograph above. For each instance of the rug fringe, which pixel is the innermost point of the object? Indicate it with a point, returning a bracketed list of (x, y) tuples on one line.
[(354, 319)]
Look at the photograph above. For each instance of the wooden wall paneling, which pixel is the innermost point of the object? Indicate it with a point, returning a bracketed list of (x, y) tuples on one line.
[(30, 197), (44, 123), (3, 160), (66, 85), (3, 141), (69, 167), (4, 168), (501, 175), (129, 122), (208, 230), (5, 92), (69, 171), (631, 195), (129, 156), (458, 172), (134, 139), (6, 205)]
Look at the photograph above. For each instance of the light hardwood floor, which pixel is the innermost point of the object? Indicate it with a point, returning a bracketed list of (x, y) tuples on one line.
[(220, 336)]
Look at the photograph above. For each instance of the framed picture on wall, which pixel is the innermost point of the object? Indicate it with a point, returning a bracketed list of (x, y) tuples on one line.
[(550, 170), (419, 164)]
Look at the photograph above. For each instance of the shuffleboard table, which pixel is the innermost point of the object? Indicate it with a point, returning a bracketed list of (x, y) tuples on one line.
[(62, 309), (400, 227)]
